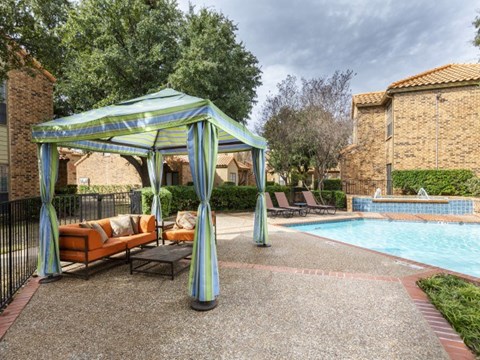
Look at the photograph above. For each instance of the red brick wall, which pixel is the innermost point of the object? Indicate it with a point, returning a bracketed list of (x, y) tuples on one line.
[(29, 101)]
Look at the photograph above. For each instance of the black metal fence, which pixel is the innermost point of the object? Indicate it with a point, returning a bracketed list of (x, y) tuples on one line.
[(19, 226), (366, 187)]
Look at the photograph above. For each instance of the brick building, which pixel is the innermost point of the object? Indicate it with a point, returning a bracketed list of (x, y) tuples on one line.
[(427, 121), (25, 99), (112, 169)]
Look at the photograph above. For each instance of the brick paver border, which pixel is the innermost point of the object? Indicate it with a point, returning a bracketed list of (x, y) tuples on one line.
[(13, 310)]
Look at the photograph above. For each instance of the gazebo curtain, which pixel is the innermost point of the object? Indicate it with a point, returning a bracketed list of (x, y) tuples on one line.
[(155, 173), (202, 143), (48, 249), (260, 231)]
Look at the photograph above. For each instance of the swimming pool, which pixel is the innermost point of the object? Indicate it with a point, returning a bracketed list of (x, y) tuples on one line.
[(454, 247)]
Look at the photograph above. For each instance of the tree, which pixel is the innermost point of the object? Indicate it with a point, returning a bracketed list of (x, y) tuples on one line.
[(29, 29), (281, 115), (307, 127), (476, 23), (214, 65), (122, 49), (326, 123)]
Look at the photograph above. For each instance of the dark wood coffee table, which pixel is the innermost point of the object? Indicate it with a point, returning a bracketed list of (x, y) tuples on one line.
[(167, 254)]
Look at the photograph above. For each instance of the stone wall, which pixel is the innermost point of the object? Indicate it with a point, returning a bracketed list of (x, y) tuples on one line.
[(29, 102)]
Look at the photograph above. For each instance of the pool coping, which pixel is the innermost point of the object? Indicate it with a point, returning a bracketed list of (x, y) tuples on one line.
[(447, 335)]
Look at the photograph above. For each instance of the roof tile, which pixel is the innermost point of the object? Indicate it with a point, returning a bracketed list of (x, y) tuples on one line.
[(372, 98), (446, 74)]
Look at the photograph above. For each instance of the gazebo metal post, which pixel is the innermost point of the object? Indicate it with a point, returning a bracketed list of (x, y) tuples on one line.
[(260, 231), (203, 284)]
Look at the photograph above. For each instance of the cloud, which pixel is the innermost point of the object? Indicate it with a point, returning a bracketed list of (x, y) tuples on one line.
[(382, 41)]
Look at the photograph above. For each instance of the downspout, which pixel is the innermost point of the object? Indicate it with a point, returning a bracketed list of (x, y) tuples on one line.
[(438, 97)]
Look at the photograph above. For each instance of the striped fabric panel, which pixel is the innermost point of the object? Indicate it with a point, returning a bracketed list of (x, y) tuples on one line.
[(260, 227), (203, 284), (48, 247), (155, 173)]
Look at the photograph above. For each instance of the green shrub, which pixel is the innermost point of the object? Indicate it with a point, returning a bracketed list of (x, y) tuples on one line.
[(105, 189), (435, 182), (228, 183), (270, 183), (332, 184), (66, 190), (459, 303), (332, 197), (473, 186), (165, 199)]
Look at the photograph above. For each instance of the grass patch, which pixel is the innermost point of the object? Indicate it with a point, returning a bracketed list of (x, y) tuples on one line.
[(459, 302)]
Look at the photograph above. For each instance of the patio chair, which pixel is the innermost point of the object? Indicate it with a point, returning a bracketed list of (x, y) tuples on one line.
[(283, 203), (275, 210), (319, 208)]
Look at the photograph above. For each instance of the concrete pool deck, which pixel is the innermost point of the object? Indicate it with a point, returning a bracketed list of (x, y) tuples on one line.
[(303, 298)]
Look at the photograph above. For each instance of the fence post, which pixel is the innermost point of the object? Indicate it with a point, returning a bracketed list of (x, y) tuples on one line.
[(10, 250), (99, 206)]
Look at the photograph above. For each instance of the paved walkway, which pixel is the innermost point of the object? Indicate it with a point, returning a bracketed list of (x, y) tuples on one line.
[(303, 298)]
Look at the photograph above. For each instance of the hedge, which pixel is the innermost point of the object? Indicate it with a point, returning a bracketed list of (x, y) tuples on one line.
[(227, 197), (105, 189), (165, 199), (332, 197), (435, 182), (332, 184)]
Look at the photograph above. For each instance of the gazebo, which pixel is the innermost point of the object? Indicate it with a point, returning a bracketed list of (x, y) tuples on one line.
[(164, 123)]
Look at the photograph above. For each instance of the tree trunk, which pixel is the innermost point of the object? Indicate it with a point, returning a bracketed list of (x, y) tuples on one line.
[(140, 164)]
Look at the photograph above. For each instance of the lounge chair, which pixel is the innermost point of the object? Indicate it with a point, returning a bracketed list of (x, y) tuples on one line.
[(319, 208), (275, 210), (283, 203)]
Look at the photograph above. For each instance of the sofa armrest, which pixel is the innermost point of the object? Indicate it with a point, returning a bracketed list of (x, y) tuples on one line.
[(79, 239)]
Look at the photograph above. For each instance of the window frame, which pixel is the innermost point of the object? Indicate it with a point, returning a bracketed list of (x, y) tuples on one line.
[(389, 120)]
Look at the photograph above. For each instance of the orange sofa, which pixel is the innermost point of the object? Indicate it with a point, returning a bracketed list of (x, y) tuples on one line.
[(81, 245), (180, 235)]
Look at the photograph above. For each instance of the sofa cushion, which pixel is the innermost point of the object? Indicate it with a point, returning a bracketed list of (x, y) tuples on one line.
[(137, 239), (99, 229), (70, 239), (147, 224), (105, 224), (178, 235), (121, 226), (135, 219), (112, 246)]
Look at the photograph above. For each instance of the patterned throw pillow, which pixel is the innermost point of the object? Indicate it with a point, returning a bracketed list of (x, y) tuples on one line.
[(135, 219), (121, 226), (97, 228), (186, 220)]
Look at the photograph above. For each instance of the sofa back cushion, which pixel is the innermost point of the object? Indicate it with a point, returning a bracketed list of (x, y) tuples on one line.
[(105, 224), (147, 224), (72, 239)]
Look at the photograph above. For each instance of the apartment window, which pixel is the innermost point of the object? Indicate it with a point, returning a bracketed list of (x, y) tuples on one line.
[(3, 182), (389, 116), (3, 104), (355, 131), (233, 177)]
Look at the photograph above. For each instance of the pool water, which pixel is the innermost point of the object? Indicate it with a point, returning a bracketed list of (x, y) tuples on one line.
[(454, 247)]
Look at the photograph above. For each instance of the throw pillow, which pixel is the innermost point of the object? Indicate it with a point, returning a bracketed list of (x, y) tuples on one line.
[(121, 226), (187, 221), (135, 219), (86, 225), (99, 229)]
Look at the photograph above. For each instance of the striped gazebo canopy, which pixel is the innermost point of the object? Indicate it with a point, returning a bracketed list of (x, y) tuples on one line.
[(155, 122)]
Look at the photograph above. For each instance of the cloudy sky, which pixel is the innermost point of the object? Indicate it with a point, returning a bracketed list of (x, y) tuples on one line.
[(382, 41)]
